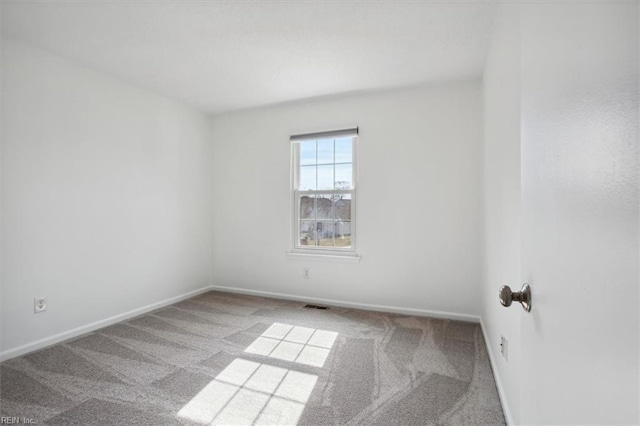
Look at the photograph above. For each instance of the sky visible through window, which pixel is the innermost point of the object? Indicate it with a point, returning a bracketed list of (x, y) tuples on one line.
[(326, 164)]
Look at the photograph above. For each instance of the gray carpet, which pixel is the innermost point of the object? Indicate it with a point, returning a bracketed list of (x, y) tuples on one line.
[(221, 358)]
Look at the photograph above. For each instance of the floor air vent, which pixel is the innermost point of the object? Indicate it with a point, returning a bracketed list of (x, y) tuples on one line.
[(322, 308)]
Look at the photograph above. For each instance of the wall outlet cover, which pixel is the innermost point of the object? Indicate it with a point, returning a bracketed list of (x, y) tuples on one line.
[(504, 347), (39, 304)]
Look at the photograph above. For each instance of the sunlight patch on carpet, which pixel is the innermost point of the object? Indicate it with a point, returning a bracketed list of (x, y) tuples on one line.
[(302, 345), (247, 392)]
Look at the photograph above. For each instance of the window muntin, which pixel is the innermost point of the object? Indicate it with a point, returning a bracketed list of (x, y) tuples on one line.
[(324, 194)]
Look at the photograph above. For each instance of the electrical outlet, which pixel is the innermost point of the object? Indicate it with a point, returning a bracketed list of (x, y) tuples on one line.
[(504, 347), (39, 305), (305, 273)]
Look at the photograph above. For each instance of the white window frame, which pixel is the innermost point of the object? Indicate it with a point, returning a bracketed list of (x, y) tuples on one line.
[(296, 247)]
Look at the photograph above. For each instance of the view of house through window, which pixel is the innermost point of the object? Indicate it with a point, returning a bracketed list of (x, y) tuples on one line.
[(324, 193)]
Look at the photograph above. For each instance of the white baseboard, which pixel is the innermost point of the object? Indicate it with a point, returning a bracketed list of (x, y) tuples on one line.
[(60, 337), (496, 376), (343, 304)]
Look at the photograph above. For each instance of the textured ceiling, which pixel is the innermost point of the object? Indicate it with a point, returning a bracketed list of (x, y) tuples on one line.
[(222, 56)]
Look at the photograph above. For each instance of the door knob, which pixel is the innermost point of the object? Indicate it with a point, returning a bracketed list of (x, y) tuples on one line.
[(523, 296)]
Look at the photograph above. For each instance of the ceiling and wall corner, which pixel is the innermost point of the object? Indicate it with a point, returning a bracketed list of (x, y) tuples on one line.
[(222, 56)]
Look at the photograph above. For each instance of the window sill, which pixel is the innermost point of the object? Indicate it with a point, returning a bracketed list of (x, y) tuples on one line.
[(320, 257)]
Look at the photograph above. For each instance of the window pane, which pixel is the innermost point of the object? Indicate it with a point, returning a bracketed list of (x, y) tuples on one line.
[(308, 152), (344, 176), (324, 206), (325, 151), (308, 233), (325, 233), (342, 234), (325, 177), (343, 208), (307, 178), (344, 150), (307, 208)]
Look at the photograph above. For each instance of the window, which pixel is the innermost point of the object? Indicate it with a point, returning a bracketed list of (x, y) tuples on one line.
[(324, 182)]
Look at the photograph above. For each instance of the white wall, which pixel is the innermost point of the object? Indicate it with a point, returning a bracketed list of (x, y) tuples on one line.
[(502, 215), (106, 196), (419, 195)]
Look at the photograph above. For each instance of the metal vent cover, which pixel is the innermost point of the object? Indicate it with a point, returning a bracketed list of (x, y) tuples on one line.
[(311, 306)]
